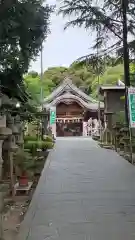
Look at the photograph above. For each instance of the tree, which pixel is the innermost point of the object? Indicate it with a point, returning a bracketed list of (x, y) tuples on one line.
[(52, 77), (105, 17), (23, 27), (110, 77), (83, 75)]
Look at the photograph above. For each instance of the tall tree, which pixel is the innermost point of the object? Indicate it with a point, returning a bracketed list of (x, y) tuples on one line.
[(106, 17), (23, 27)]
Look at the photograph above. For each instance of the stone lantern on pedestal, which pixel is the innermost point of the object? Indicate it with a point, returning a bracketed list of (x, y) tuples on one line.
[(5, 132)]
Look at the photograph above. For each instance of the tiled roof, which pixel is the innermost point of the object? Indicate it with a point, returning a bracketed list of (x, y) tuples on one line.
[(68, 86), (68, 97)]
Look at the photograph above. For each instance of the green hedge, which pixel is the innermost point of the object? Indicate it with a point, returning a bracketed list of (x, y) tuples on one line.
[(48, 139), (34, 138), (33, 146), (30, 138)]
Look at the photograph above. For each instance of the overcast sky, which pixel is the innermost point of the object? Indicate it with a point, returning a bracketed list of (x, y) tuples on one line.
[(63, 47)]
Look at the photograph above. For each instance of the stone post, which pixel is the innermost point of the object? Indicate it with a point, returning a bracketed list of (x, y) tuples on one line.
[(4, 133)]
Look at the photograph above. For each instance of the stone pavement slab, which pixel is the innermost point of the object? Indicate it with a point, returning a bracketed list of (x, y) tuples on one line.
[(85, 193)]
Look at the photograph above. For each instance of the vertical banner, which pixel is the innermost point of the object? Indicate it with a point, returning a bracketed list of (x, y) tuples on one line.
[(52, 115), (53, 120), (131, 103)]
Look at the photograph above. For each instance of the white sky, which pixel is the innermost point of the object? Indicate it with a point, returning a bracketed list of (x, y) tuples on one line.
[(63, 47)]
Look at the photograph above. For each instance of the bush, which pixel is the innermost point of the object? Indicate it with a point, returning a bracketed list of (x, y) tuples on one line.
[(47, 145), (23, 160), (30, 138), (48, 139), (25, 163), (34, 145)]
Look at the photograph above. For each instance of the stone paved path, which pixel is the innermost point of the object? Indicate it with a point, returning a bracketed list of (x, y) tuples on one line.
[(86, 193)]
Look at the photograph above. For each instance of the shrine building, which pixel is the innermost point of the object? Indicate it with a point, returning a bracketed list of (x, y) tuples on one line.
[(73, 109)]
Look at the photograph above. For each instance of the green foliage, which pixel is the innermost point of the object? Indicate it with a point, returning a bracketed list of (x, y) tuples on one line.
[(46, 145), (33, 86), (109, 77), (27, 163), (32, 143), (23, 160), (55, 75), (132, 74), (48, 139), (33, 146), (30, 138), (81, 77), (23, 27), (105, 16)]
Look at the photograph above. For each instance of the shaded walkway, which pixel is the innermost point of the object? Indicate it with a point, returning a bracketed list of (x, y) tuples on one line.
[(86, 193)]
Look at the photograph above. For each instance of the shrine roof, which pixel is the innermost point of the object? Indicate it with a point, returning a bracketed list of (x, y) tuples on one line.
[(68, 86), (67, 98), (105, 88)]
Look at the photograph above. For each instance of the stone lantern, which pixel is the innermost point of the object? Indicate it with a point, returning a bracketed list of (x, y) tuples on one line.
[(11, 143), (5, 131)]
